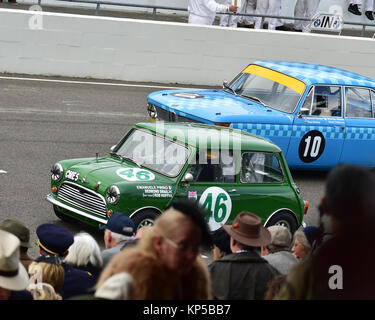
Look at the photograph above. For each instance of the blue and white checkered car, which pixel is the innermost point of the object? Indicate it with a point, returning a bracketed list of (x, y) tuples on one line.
[(318, 115)]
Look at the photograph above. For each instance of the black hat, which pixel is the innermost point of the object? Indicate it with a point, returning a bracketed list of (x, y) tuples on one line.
[(54, 239)]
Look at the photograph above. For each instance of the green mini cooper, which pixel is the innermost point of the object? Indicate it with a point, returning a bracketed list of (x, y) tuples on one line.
[(226, 170)]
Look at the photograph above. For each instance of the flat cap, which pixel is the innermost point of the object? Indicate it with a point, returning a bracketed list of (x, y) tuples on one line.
[(18, 229)]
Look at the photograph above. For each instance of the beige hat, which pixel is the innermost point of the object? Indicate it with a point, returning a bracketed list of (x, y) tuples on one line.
[(118, 287), (280, 236), (13, 275)]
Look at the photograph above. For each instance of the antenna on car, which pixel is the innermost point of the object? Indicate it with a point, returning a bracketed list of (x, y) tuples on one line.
[(97, 154)]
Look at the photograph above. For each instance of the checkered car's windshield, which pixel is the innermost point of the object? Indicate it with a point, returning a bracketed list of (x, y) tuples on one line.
[(267, 92)]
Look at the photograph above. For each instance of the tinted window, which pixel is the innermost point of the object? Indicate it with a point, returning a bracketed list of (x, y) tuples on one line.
[(259, 167), (358, 103), (327, 101), (214, 166)]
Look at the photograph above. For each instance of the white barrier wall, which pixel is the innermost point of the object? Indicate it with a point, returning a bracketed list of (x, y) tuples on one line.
[(136, 50)]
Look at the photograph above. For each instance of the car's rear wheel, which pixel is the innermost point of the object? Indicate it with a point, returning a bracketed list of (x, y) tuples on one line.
[(284, 219), (62, 216), (145, 218)]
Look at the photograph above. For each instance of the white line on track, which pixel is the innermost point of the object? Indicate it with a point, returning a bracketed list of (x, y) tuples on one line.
[(73, 113), (93, 83)]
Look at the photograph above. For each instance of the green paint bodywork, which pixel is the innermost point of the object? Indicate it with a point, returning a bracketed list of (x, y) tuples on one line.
[(261, 199)]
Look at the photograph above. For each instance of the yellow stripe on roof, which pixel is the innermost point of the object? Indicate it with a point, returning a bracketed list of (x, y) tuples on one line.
[(290, 82)]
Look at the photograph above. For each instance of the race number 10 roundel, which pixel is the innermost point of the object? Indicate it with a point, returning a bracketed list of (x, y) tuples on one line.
[(311, 146), (218, 202)]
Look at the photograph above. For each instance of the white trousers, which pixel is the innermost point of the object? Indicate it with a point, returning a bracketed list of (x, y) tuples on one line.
[(247, 6), (194, 19), (270, 7), (305, 9)]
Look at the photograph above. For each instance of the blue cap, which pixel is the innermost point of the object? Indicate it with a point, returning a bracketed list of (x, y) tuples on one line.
[(311, 234), (117, 222), (54, 239)]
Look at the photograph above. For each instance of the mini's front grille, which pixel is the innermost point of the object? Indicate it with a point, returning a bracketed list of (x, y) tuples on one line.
[(82, 198)]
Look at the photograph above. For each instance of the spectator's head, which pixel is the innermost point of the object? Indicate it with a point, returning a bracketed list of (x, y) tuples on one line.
[(43, 291), (304, 240), (117, 287), (349, 196), (247, 232), (53, 240), (280, 240), (221, 240), (84, 251), (13, 275), (119, 228), (47, 269), (19, 230), (177, 235)]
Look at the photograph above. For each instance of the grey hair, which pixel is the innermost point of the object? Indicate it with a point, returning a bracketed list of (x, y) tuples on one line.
[(301, 237), (84, 250)]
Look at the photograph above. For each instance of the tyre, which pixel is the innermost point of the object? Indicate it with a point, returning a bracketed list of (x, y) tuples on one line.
[(62, 216), (144, 218), (284, 219)]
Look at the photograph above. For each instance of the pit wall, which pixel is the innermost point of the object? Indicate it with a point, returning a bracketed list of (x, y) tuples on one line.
[(138, 50)]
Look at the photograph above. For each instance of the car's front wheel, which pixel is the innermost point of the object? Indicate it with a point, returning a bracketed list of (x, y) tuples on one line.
[(144, 218), (284, 219)]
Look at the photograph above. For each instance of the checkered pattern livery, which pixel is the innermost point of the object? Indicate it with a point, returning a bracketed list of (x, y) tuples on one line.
[(271, 130), (317, 74), (265, 130), (360, 133)]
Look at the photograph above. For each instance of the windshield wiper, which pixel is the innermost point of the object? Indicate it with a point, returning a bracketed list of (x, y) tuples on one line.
[(255, 99), (131, 160), (227, 87)]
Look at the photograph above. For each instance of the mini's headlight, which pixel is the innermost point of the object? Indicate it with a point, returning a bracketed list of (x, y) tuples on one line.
[(151, 109), (113, 195), (57, 172)]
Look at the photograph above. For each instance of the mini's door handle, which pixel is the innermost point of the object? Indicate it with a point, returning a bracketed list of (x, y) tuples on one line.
[(233, 190), (342, 127)]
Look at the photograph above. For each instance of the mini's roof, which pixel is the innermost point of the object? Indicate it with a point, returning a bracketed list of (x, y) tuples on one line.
[(317, 74), (217, 137)]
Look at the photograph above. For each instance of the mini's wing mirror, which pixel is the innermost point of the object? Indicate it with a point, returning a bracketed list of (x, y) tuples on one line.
[(188, 177), (113, 147), (225, 83)]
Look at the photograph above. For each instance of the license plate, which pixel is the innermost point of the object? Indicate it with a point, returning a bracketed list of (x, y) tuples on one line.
[(72, 175)]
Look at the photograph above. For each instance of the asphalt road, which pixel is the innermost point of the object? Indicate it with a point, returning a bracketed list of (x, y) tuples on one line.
[(43, 121)]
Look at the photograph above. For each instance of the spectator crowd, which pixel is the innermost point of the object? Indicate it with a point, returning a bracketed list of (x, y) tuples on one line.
[(249, 13), (250, 261)]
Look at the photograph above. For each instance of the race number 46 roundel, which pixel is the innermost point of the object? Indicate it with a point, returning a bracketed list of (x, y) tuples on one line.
[(135, 174), (311, 146), (217, 201)]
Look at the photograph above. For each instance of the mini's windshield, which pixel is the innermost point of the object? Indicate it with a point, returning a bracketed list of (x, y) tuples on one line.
[(153, 152), (268, 88)]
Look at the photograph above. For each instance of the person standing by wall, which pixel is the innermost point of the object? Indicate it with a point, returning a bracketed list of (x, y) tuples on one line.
[(204, 11), (305, 9)]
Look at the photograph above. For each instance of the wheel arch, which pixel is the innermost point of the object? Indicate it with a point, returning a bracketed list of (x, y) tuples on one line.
[(278, 211)]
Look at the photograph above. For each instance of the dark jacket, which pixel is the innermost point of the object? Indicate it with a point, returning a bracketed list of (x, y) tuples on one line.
[(76, 282), (241, 276)]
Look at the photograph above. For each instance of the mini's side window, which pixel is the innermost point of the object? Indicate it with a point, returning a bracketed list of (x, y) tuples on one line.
[(327, 101), (214, 166), (260, 167), (358, 103)]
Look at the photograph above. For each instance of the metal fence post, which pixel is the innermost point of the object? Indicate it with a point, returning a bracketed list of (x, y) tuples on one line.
[(363, 31), (154, 14), (97, 9)]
